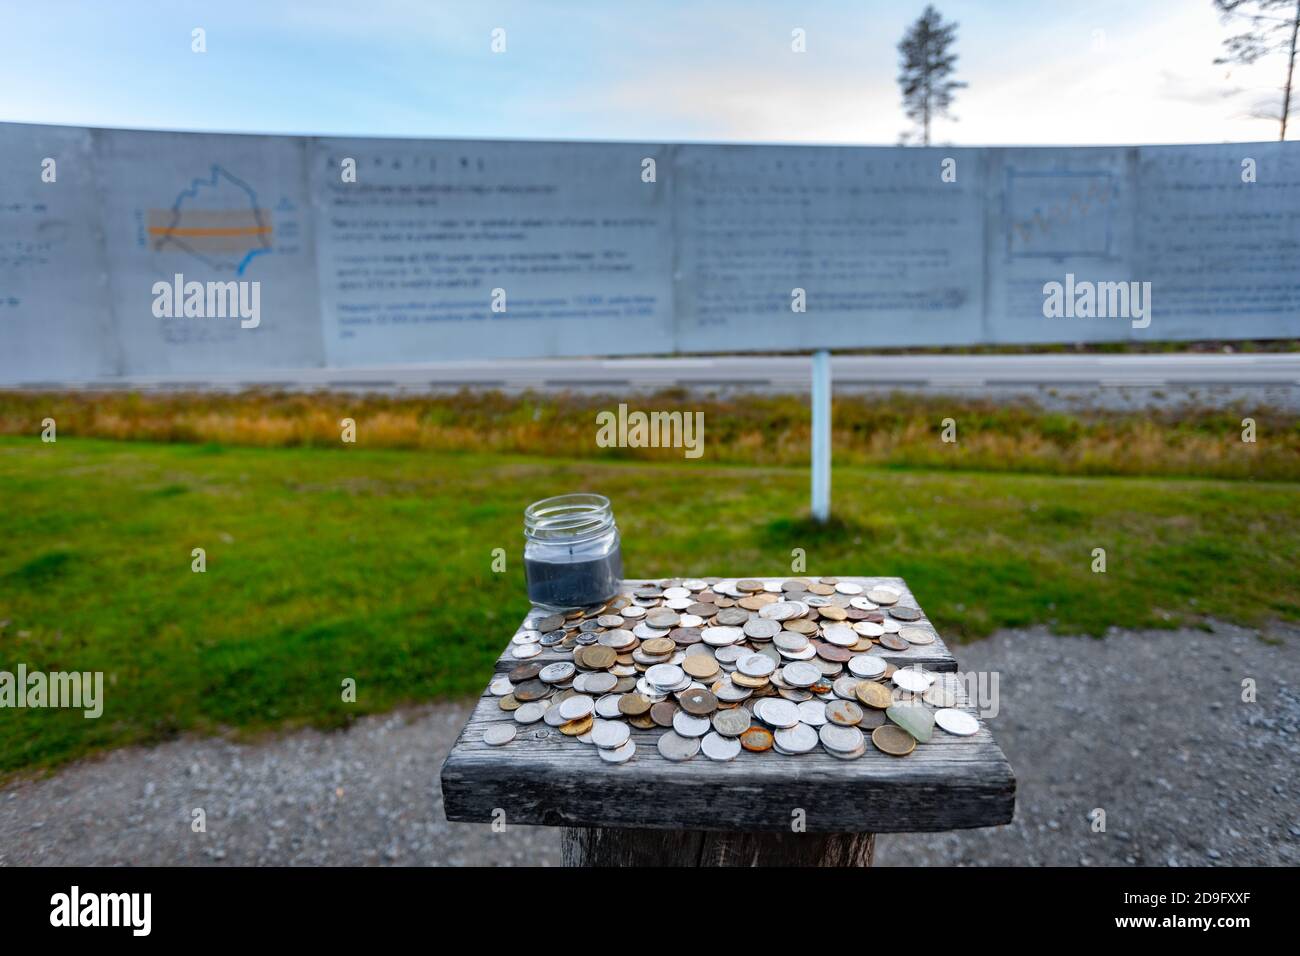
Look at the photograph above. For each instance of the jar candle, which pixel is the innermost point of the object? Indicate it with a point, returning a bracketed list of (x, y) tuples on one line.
[(571, 551)]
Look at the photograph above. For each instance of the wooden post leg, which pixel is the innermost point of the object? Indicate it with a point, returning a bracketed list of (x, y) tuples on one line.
[(600, 846)]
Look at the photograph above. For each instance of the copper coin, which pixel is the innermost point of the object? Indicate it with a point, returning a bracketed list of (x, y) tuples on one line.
[(510, 702), (893, 642), (875, 695), (698, 702), (801, 625), (829, 652), (658, 646), (824, 590), (525, 672), (756, 739), (894, 741), (573, 728), (843, 712), (685, 635), (749, 585), (642, 722), (872, 719), (598, 657), (634, 705), (662, 713), (531, 690), (905, 613), (702, 666)]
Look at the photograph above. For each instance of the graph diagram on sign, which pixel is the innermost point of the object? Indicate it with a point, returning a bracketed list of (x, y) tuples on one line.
[(1059, 214)]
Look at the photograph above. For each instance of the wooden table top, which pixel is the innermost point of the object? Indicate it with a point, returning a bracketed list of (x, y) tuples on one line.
[(554, 780)]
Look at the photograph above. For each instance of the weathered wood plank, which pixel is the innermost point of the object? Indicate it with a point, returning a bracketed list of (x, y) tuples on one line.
[(593, 846), (544, 777)]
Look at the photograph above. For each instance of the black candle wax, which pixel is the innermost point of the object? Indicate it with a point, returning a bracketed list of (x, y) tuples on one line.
[(574, 583)]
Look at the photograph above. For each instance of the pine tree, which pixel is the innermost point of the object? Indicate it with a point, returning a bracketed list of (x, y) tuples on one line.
[(1273, 28), (927, 64)]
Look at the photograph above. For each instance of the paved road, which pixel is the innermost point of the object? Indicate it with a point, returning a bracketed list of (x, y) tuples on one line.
[(1101, 377), (1148, 726)]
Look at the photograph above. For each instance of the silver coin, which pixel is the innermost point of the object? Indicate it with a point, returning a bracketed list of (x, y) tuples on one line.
[(648, 633), (556, 673), (846, 687), (840, 738), (848, 587), (618, 754), (913, 679), (956, 722), (862, 604), (730, 653), (917, 635), (601, 682), (807, 654), (883, 595), (780, 611), (732, 693), (801, 674), (841, 635), (721, 636), (940, 695), (812, 713), (673, 746), (779, 712), (689, 725), (867, 666), (633, 611), (732, 723), (524, 651), (868, 628), (756, 665), (691, 620), (577, 707), (501, 686), (553, 716), (527, 637), (757, 629), (499, 733), (891, 626), (664, 675), (607, 706), (790, 641), (531, 712), (609, 734), (798, 739), (681, 592), (718, 747), (695, 584)]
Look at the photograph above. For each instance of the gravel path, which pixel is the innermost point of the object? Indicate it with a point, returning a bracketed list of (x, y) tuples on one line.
[(1148, 726)]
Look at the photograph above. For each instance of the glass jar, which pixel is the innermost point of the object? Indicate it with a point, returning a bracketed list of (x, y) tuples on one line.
[(571, 551)]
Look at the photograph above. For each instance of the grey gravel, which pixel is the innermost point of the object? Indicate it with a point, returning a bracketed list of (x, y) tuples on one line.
[(1148, 726)]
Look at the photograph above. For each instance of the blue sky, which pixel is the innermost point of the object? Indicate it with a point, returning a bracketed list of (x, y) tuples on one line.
[(1044, 72)]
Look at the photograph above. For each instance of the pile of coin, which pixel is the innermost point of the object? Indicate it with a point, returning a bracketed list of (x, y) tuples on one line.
[(726, 666)]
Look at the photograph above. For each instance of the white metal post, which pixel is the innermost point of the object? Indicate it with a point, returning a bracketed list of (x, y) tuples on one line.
[(821, 435)]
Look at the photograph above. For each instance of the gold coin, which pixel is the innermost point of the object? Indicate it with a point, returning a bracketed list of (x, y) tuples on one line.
[(824, 590), (744, 680), (874, 695), (575, 727), (893, 740), (700, 665), (509, 702), (598, 657), (832, 613), (756, 739), (801, 625), (634, 705), (754, 602), (658, 646)]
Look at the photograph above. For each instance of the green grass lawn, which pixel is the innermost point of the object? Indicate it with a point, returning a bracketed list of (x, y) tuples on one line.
[(376, 565)]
